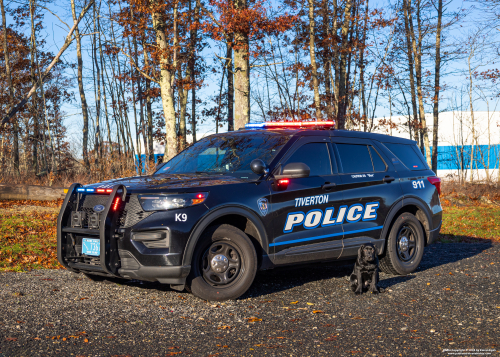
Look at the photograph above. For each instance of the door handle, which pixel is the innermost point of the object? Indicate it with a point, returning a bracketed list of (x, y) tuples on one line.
[(328, 186), (388, 179)]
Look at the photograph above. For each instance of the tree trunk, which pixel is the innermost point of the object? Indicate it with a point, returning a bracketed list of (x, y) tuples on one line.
[(342, 98), (362, 71), (241, 75), (149, 111), (437, 68), (81, 90), (312, 55), (166, 89), (417, 52), (192, 64), (327, 61), (15, 126), (34, 106), (408, 19), (230, 87), (97, 80)]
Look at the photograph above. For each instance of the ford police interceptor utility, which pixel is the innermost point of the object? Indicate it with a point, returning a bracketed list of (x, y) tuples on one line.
[(274, 194)]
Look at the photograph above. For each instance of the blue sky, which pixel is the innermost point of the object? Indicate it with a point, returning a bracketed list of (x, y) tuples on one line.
[(453, 72)]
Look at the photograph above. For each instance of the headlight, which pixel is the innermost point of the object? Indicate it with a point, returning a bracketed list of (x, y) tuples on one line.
[(166, 202)]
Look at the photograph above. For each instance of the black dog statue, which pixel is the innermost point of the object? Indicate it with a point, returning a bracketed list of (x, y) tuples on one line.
[(365, 274)]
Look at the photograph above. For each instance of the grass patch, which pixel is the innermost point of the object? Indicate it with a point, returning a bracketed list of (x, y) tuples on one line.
[(28, 240), (470, 223)]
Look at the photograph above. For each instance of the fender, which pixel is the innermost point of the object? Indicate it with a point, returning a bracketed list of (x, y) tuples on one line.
[(212, 216), (402, 202)]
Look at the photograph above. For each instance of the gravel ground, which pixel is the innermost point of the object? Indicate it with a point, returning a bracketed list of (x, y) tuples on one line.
[(451, 302)]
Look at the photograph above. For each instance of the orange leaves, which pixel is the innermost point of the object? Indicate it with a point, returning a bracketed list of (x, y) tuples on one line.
[(254, 319), (251, 23)]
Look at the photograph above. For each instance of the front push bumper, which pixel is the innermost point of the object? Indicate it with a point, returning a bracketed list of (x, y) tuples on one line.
[(114, 261)]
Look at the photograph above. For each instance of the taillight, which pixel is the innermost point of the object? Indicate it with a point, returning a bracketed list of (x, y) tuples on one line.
[(436, 181)]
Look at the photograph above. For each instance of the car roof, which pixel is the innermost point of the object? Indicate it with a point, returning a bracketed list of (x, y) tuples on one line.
[(335, 133)]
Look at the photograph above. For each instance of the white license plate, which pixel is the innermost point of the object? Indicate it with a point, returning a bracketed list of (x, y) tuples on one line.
[(91, 247)]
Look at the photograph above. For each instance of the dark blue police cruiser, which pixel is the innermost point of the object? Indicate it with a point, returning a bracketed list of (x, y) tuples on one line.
[(274, 194)]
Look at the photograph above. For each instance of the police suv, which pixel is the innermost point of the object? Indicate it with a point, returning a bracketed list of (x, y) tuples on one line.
[(271, 195)]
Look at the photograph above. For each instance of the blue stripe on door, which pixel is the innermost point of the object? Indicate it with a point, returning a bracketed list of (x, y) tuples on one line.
[(325, 236)]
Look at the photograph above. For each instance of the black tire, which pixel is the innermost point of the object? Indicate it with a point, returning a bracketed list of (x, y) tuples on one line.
[(403, 256), (214, 278)]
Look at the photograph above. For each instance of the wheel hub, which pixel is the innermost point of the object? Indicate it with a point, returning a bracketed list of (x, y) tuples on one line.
[(219, 263), (403, 244)]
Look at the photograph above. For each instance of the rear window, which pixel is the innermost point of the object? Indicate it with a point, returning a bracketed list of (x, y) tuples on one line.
[(409, 155), (359, 158)]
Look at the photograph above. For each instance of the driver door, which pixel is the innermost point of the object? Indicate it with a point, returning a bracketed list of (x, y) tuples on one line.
[(304, 213)]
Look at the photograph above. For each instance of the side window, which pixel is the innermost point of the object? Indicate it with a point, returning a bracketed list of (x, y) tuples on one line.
[(409, 155), (378, 163), (314, 155), (355, 158)]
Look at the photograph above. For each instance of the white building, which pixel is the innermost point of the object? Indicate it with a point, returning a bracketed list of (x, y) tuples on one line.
[(464, 142)]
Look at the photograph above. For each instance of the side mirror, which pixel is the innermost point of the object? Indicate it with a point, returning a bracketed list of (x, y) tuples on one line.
[(294, 170), (259, 167)]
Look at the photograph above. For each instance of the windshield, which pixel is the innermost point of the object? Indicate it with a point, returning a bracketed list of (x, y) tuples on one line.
[(227, 153)]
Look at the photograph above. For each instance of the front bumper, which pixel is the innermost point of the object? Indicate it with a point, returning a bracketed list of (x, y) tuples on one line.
[(175, 275), (118, 252)]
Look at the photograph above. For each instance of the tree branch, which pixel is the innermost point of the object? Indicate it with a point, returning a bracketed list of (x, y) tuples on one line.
[(67, 42), (137, 68)]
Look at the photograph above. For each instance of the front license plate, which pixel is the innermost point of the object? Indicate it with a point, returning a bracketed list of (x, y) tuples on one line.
[(91, 246)]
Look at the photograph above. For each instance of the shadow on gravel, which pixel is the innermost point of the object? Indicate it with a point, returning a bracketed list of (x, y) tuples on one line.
[(284, 278), (444, 253), (387, 283), (280, 279)]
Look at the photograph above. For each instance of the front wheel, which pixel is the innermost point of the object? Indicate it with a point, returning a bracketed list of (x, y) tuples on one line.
[(405, 246), (224, 264)]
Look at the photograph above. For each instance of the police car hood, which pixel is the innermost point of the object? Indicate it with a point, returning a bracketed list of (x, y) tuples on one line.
[(174, 182)]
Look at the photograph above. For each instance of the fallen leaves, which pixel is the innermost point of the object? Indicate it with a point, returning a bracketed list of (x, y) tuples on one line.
[(318, 312), (254, 319), (294, 302), (28, 240), (224, 328), (11, 339)]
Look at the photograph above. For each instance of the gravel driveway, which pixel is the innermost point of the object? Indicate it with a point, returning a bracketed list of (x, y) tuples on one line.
[(451, 302)]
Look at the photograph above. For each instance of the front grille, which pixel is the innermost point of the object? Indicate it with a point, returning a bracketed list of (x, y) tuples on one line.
[(130, 215), (133, 213), (87, 203)]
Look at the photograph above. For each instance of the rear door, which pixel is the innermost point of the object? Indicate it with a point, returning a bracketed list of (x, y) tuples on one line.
[(304, 218), (370, 187)]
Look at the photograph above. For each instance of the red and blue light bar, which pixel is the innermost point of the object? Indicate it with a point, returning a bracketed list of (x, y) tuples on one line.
[(95, 190), (290, 124)]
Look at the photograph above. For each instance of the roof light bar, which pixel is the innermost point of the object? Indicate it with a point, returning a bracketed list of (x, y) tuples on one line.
[(290, 124), (96, 190)]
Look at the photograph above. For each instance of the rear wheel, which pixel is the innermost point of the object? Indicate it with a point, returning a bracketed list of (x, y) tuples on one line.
[(224, 264), (405, 246)]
